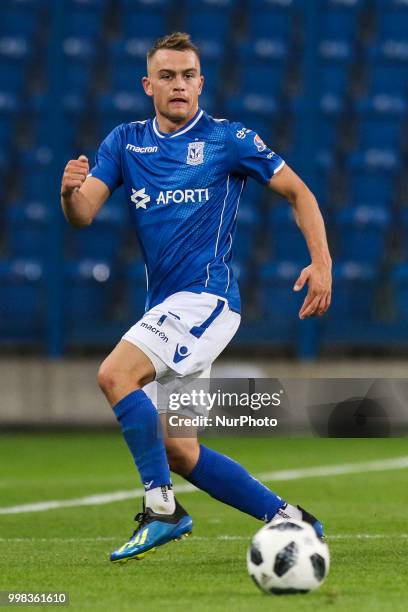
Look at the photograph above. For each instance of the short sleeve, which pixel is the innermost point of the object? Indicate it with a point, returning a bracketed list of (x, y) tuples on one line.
[(251, 156), (108, 167)]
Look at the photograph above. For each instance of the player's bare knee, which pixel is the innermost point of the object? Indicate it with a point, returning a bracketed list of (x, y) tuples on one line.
[(111, 380), (107, 379)]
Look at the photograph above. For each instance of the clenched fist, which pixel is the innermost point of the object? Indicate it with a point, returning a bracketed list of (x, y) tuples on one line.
[(74, 175)]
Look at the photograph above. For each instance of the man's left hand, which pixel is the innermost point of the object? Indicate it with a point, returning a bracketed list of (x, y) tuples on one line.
[(319, 279)]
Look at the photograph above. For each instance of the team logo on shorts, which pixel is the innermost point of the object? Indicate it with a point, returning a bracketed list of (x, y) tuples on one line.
[(195, 154), (180, 353), (259, 143)]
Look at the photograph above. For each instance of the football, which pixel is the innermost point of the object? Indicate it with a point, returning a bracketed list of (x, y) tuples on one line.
[(287, 557)]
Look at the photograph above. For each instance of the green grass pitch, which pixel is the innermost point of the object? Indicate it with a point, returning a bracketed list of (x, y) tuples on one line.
[(66, 549)]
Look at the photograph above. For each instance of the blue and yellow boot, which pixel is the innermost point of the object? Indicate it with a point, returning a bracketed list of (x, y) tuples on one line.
[(154, 530)]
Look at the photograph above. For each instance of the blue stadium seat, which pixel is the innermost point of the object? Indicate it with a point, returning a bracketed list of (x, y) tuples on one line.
[(270, 18), (319, 181), (335, 57), (86, 21), (393, 50), (240, 271), (387, 67), (362, 232), (333, 79), (252, 195), (372, 176), (23, 300), (377, 132), (369, 187), (403, 227), (149, 17), (3, 161), (208, 101), (103, 240), (19, 20), (135, 289), (288, 242), (150, 23), (87, 290), (79, 58), (263, 66), (12, 78), (340, 16), (212, 63), (381, 118), (121, 107), (118, 198), (127, 76), (27, 230), (329, 117), (6, 128), (392, 18), (25, 4), (387, 62), (14, 55), (352, 300), (128, 63), (350, 5), (388, 78), (209, 19), (15, 49), (245, 235), (35, 171), (219, 5), (141, 5), (95, 5), (39, 108), (77, 78), (255, 112), (399, 278), (277, 298), (9, 108)]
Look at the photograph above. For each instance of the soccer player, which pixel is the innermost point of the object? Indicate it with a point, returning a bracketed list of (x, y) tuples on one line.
[(184, 173)]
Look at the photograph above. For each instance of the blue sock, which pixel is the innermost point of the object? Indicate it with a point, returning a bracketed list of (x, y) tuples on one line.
[(227, 481), (142, 431)]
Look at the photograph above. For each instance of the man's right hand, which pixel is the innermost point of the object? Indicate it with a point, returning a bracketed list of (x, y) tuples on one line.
[(74, 176)]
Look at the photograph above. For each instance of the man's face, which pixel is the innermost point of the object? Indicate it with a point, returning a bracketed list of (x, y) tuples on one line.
[(175, 83)]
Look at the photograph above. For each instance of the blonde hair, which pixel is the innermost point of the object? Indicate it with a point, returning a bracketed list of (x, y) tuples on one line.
[(178, 41)]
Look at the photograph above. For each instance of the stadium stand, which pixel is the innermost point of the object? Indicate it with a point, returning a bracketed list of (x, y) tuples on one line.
[(322, 81)]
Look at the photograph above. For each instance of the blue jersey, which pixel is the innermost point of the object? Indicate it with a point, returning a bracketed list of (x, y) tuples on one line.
[(183, 191)]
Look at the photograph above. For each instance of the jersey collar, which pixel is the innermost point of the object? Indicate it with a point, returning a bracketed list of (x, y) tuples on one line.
[(183, 130)]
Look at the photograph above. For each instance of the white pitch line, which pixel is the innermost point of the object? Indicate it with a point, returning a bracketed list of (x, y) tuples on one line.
[(90, 500), (222, 538), (397, 463)]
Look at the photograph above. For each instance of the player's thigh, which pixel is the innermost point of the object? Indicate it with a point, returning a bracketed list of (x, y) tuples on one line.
[(127, 363)]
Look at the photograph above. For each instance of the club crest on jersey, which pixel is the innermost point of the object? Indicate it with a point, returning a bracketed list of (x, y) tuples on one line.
[(195, 153), (259, 143)]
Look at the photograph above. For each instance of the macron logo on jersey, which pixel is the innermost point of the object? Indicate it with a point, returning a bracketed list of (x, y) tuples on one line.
[(131, 147), (140, 197)]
